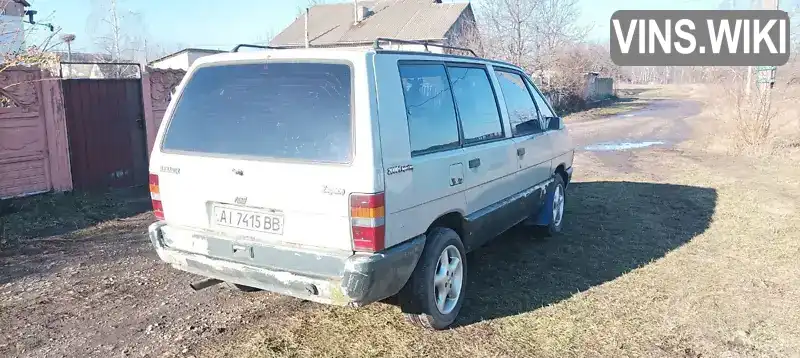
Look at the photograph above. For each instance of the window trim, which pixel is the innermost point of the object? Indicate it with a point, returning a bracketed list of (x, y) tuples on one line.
[(536, 105), (546, 103), (170, 112), (446, 148), (485, 69)]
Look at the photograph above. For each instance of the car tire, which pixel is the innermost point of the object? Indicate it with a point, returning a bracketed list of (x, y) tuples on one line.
[(418, 299), (555, 203)]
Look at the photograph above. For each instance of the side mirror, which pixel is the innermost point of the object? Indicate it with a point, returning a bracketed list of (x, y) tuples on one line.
[(554, 123)]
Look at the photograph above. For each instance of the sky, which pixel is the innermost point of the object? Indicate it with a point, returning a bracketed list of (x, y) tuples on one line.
[(216, 24)]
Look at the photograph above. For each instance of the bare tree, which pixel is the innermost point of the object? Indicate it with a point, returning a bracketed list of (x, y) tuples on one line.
[(541, 36), (510, 27), (113, 29), (266, 37), (531, 33), (472, 35)]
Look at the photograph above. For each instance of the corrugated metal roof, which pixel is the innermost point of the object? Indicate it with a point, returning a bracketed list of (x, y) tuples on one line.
[(400, 19)]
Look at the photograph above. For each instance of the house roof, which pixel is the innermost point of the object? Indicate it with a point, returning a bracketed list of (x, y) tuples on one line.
[(23, 2), (201, 50), (400, 19)]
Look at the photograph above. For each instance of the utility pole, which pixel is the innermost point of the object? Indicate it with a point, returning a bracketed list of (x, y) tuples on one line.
[(767, 76), (766, 80), (306, 29)]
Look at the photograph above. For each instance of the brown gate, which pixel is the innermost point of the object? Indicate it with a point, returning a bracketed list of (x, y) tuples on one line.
[(107, 138)]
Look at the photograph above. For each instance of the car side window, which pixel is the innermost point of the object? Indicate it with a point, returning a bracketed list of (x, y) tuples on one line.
[(522, 111), (430, 111), (476, 103), (549, 118)]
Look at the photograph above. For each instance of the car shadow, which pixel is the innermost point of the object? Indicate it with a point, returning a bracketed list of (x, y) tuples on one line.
[(611, 228)]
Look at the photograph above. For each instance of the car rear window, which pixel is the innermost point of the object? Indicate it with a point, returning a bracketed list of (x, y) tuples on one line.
[(295, 111)]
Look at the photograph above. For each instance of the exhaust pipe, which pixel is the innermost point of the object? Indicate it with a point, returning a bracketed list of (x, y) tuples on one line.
[(199, 285)]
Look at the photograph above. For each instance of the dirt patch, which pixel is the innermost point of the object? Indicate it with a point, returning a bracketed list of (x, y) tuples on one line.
[(34, 229), (79, 279)]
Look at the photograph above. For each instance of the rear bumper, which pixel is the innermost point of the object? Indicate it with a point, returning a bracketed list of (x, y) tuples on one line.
[(324, 277)]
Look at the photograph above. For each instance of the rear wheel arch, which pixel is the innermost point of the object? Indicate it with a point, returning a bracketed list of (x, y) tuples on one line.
[(453, 220)]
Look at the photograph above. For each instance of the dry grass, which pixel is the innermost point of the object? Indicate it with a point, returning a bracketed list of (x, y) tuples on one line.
[(736, 126), (614, 107), (631, 98), (691, 260), (693, 91), (619, 107)]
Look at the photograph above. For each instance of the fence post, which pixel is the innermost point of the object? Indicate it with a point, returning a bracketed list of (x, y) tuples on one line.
[(55, 121), (151, 128)]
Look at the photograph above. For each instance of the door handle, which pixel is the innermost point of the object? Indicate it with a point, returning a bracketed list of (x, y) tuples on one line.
[(520, 152), (475, 163)]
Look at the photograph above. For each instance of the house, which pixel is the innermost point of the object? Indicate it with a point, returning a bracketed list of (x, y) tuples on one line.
[(359, 23), (181, 60), (12, 34)]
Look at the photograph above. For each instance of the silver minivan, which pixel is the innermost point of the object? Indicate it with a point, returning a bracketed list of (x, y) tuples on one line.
[(348, 176)]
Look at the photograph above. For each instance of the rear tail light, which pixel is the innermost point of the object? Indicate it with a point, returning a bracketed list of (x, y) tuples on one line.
[(155, 196), (367, 212)]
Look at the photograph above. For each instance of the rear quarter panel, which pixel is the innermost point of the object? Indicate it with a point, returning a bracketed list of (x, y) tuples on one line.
[(414, 198), (563, 148)]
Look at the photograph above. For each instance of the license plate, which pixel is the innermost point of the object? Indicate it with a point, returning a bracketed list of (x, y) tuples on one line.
[(252, 220)]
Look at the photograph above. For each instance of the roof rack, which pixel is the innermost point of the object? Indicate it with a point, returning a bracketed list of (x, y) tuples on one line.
[(425, 43), (239, 46)]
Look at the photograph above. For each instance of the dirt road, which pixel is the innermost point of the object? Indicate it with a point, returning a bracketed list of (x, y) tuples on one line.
[(88, 284), (662, 123)]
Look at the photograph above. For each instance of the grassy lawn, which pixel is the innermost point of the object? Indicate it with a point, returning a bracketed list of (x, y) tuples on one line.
[(698, 258)]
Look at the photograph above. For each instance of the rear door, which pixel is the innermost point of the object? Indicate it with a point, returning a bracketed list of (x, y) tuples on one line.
[(489, 157), (266, 151)]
